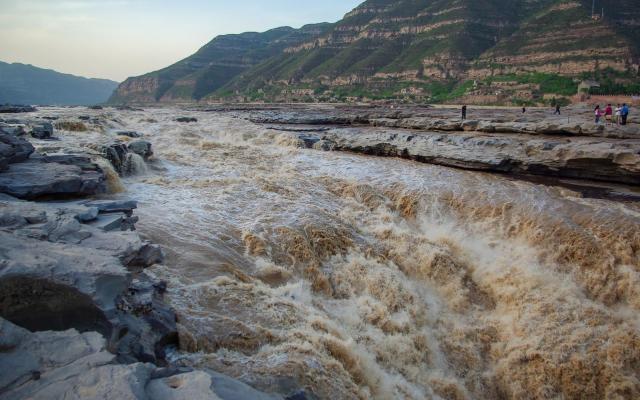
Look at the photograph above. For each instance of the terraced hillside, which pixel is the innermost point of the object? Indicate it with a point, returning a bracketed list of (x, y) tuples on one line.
[(437, 51)]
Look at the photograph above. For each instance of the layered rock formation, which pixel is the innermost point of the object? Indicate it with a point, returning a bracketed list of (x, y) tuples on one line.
[(534, 145), (412, 50)]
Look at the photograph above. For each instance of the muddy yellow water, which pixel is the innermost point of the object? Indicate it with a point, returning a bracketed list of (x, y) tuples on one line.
[(365, 278)]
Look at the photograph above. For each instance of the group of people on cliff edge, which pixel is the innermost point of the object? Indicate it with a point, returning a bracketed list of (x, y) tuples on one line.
[(621, 114)]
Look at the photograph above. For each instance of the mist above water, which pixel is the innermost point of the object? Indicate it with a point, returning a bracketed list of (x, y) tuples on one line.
[(360, 277)]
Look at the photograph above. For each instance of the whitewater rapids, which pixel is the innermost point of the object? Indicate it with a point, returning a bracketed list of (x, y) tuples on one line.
[(359, 277)]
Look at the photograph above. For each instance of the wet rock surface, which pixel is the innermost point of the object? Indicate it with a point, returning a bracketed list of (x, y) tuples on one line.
[(580, 158), (73, 365), (41, 176), (131, 134), (141, 148), (13, 150), (42, 131)]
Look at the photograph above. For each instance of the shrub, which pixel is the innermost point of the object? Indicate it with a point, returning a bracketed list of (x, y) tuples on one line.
[(71, 126)]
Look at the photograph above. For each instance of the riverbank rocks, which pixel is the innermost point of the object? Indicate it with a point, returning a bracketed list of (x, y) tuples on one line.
[(75, 365), (13, 129), (568, 157), (141, 148), (59, 272), (55, 177), (13, 150)]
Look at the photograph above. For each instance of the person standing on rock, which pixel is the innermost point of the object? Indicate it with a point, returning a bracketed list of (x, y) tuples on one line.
[(524, 109), (608, 114), (598, 113), (624, 113), (557, 112), (464, 112), (618, 114)]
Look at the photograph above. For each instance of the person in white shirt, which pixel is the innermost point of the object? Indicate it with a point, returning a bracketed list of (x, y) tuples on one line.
[(618, 114)]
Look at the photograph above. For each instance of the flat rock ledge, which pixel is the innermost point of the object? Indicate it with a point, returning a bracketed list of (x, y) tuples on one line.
[(434, 120), (600, 159), (534, 144), (28, 175)]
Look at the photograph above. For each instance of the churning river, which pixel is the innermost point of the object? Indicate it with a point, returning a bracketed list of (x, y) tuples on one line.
[(359, 277)]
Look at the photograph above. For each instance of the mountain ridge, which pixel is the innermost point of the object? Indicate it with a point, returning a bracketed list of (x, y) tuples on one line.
[(430, 50), (28, 84)]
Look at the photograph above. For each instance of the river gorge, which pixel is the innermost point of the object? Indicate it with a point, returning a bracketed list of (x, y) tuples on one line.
[(337, 275)]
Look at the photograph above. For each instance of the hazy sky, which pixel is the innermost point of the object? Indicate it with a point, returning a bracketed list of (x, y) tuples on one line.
[(115, 39)]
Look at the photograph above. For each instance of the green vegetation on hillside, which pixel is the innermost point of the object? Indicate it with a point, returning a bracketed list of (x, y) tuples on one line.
[(549, 83)]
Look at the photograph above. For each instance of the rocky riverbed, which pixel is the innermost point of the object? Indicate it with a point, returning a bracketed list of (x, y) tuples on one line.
[(79, 316), (252, 253)]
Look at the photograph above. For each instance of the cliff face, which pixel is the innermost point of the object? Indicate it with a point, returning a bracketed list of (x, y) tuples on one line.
[(424, 49), (564, 38)]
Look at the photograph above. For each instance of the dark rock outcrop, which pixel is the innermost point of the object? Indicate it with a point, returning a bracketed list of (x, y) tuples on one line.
[(13, 150), (116, 154), (60, 272), (141, 148), (42, 131), (15, 130), (14, 109), (131, 134), (57, 176), (186, 119)]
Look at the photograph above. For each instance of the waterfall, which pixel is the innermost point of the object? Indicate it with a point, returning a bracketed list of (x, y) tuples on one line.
[(114, 185), (134, 165)]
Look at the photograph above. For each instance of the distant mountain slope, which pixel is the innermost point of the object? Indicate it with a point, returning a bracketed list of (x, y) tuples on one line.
[(26, 84), (213, 65), (436, 50)]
